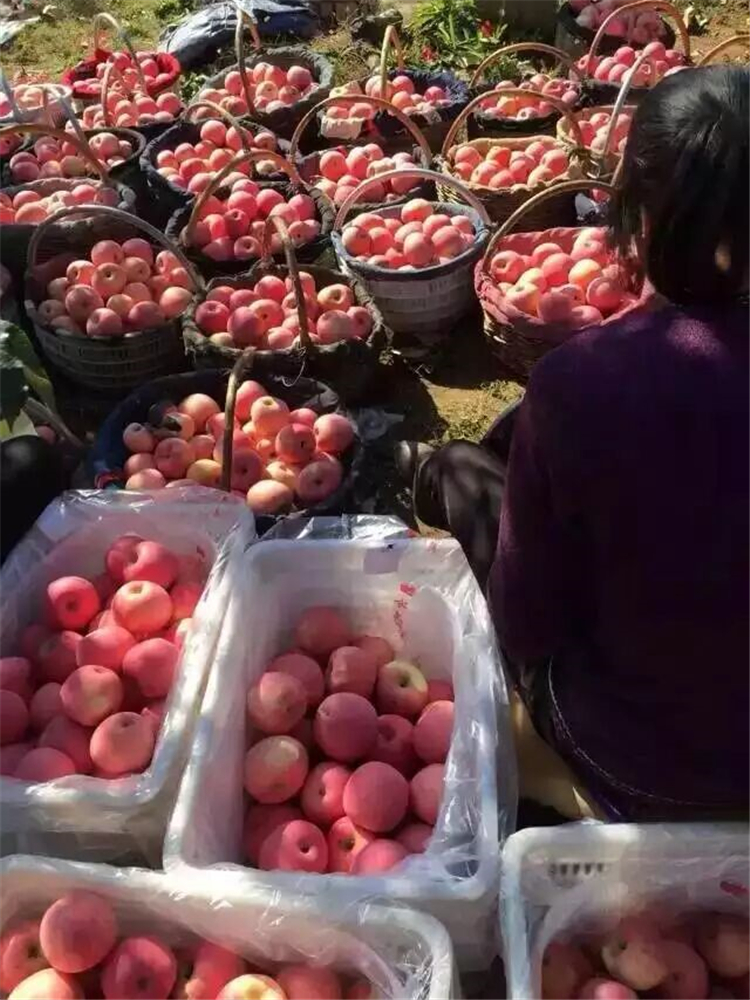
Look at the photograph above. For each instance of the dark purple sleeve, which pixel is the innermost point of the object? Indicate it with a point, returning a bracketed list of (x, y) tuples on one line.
[(533, 580)]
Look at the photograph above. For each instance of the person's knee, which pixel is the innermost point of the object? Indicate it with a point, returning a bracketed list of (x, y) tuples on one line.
[(31, 475)]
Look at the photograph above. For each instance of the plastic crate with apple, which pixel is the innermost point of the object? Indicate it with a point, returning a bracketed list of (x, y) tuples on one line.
[(79, 815), (398, 952), (564, 883), (422, 597)]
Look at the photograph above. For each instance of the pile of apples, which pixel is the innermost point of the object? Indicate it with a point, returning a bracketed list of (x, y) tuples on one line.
[(612, 69), (52, 158), (28, 96), (400, 91), (526, 108), (342, 170), (265, 316), (131, 112), (278, 457), (580, 287), (594, 131), (155, 79), (647, 25), (377, 733), (416, 238), (118, 289), (540, 162), (697, 955), (77, 948), (30, 207), (272, 88), (232, 228), (87, 692), (191, 167)]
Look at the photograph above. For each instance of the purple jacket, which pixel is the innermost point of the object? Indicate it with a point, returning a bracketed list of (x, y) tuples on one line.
[(623, 556)]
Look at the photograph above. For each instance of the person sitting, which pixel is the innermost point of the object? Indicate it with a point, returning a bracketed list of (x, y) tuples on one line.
[(618, 581)]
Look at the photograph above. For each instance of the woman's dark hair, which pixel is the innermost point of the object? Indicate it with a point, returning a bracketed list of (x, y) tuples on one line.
[(683, 195)]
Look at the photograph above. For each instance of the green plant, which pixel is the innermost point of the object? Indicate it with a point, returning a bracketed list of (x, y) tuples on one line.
[(22, 378), (450, 33)]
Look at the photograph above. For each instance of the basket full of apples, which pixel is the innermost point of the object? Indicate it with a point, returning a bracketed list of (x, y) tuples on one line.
[(514, 116), (336, 171), (578, 21), (274, 86), (129, 105), (70, 929), (106, 307), (318, 321), (503, 173), (222, 229), (537, 289), (431, 98), (154, 72), (32, 102), (416, 259), (605, 75), (284, 449), (646, 910)]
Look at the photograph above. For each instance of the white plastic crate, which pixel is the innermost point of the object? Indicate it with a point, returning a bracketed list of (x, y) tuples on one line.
[(422, 597), (565, 879), (81, 816), (404, 954)]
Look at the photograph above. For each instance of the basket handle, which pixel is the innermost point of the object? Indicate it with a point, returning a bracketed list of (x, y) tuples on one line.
[(71, 117), (243, 363), (377, 102), (721, 48), (537, 199), (659, 5), (112, 71), (35, 128), (7, 89), (102, 18), (251, 157), (390, 40), (514, 92), (627, 83), (244, 18), (113, 213), (274, 222), (221, 113), (428, 175), (562, 57)]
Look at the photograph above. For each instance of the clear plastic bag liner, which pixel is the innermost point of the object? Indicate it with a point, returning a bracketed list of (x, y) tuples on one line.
[(420, 595), (71, 537), (568, 882), (403, 954)]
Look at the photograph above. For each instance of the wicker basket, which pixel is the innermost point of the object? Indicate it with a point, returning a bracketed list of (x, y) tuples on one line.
[(500, 204), (15, 237), (481, 126), (281, 122), (307, 166), (572, 38), (148, 131), (78, 76), (50, 110), (736, 41), (347, 365), (606, 93), (168, 197), (517, 339), (109, 452), (182, 224), (107, 365), (425, 303)]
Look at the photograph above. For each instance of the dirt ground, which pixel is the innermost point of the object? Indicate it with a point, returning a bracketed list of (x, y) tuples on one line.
[(458, 390)]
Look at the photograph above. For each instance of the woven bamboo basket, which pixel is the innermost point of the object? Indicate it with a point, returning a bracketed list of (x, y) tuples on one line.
[(424, 303), (108, 365), (109, 452), (347, 365), (572, 38), (282, 121), (517, 339), (386, 130), (501, 203), (48, 110), (148, 131), (482, 126), (182, 225), (79, 77), (736, 41), (15, 237), (598, 92), (308, 166)]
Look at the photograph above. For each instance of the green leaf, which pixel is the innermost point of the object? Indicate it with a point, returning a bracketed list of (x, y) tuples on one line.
[(21, 371)]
